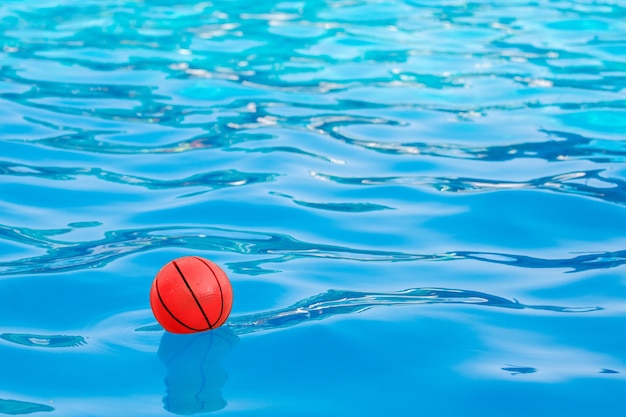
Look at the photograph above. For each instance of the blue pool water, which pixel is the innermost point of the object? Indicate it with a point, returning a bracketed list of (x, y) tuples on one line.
[(421, 206)]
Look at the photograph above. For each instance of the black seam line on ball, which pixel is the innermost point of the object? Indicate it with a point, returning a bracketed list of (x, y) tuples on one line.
[(193, 295), (172, 314), (219, 286)]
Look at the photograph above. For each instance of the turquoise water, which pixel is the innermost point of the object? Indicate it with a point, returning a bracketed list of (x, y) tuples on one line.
[(420, 204)]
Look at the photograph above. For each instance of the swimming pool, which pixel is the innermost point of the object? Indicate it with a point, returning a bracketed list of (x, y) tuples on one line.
[(420, 205)]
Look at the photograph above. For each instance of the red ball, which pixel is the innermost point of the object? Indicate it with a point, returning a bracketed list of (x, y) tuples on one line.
[(191, 294)]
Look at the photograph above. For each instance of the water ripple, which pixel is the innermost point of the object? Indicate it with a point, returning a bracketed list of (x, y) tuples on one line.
[(571, 147), (219, 135), (340, 207), (334, 302), (44, 341), (318, 307), (271, 247), (337, 302), (589, 183), (211, 180), (15, 407)]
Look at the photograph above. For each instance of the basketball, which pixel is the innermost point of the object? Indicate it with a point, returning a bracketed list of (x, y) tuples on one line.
[(191, 294)]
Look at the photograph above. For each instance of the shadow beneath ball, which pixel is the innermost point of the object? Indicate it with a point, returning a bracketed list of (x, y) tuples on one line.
[(194, 377)]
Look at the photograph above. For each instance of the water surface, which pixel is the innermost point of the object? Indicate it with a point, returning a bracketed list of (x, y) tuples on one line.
[(420, 205)]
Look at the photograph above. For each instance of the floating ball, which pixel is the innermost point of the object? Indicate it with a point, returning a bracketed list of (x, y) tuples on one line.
[(191, 294)]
